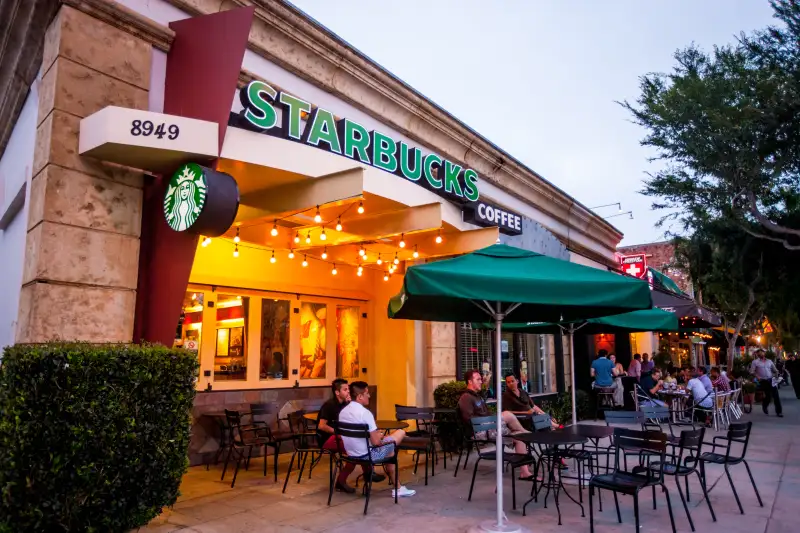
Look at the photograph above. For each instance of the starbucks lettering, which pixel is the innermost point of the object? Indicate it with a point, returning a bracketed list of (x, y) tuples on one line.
[(201, 201), (352, 140)]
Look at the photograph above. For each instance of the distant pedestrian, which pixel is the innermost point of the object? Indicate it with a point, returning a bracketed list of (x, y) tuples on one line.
[(635, 368), (647, 363), (764, 370)]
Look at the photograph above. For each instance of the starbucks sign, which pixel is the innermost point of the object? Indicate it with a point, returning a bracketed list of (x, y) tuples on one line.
[(200, 200), (185, 197)]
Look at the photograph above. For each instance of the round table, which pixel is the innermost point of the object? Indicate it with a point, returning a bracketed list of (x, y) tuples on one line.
[(553, 439), (390, 425), (311, 415), (675, 398)]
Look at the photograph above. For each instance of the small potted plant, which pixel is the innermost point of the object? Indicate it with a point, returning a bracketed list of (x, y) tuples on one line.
[(748, 395)]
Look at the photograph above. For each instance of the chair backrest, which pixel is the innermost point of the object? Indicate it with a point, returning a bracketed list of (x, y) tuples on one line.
[(353, 431), (406, 412), (483, 423), (631, 418), (644, 443), (690, 445), (261, 411), (234, 420), (542, 422), (738, 432)]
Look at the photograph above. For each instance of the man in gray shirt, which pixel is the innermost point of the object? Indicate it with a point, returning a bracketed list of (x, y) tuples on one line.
[(764, 370)]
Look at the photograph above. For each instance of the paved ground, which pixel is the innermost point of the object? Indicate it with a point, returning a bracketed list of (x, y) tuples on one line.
[(257, 505)]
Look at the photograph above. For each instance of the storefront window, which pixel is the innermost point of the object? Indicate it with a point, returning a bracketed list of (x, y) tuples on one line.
[(347, 341), (190, 323), (313, 336), (274, 339), (230, 361)]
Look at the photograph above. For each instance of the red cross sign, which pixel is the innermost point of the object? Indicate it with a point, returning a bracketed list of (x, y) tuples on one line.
[(634, 265)]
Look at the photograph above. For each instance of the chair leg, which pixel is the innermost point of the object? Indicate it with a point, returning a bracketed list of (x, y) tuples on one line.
[(227, 459), (753, 481), (249, 455), (367, 491), (458, 463), (705, 494), (333, 471), (474, 473), (302, 465), (396, 478), (669, 508), (275, 460), (654, 498), (616, 504), (239, 458), (591, 509), (466, 459), (733, 487), (416, 462), (635, 509), (686, 480), (683, 501), (288, 472), (513, 488), (427, 460)]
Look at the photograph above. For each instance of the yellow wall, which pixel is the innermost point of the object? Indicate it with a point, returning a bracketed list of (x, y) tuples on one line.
[(386, 347)]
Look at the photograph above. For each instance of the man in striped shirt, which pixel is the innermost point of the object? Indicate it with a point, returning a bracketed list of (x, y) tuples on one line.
[(720, 381)]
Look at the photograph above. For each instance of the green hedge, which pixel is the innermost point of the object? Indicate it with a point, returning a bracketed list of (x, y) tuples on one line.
[(92, 438)]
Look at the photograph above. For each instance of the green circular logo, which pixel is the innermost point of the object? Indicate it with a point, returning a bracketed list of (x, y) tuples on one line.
[(186, 196)]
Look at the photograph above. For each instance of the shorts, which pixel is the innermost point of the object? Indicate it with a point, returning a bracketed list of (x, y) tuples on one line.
[(379, 453)]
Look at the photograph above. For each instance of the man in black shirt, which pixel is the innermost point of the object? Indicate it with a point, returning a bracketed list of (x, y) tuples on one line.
[(519, 403)]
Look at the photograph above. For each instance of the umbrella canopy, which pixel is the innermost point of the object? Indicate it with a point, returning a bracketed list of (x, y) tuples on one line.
[(664, 282), (547, 289), (689, 312), (633, 322)]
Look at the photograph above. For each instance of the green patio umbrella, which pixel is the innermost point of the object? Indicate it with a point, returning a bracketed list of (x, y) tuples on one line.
[(636, 321), (498, 281)]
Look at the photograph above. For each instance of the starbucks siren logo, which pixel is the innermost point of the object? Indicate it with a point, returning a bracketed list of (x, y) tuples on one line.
[(186, 195)]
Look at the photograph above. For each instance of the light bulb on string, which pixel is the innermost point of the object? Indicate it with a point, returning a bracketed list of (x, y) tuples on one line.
[(305, 261), (386, 277), (236, 250), (439, 237), (396, 259), (416, 253), (308, 238), (236, 239), (339, 224), (274, 231), (206, 241), (380, 261), (361, 207), (360, 268), (272, 259), (361, 251), (323, 236), (402, 240), (317, 217), (325, 253), (291, 254), (334, 271), (365, 257), (297, 237)]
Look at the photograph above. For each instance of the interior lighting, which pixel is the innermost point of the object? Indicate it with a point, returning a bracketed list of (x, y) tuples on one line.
[(402, 240), (206, 241), (439, 237), (334, 271), (236, 250), (297, 237), (274, 231), (308, 238), (291, 254), (325, 253), (236, 239), (339, 224), (361, 207), (272, 259), (416, 253), (322, 235), (305, 261), (194, 296), (317, 217)]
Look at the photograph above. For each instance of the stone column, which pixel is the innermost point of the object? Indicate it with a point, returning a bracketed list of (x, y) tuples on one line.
[(440, 355), (82, 251)]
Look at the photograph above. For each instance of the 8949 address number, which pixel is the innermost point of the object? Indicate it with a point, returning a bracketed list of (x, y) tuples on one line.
[(147, 128)]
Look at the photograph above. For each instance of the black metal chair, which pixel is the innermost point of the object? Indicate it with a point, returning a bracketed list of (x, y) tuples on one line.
[(421, 440), (241, 438), (626, 419), (483, 430), (305, 444), (604, 400), (738, 433), (368, 464), (261, 413), (683, 464), (645, 444)]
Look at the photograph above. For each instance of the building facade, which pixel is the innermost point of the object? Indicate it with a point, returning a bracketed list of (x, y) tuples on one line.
[(233, 178)]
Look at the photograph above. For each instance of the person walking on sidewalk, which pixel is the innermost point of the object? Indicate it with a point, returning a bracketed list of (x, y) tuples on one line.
[(764, 370), (793, 367)]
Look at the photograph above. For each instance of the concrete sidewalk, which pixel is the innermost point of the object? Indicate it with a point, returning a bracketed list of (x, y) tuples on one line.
[(257, 505)]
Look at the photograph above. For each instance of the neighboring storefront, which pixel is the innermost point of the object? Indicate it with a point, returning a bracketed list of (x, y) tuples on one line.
[(255, 194)]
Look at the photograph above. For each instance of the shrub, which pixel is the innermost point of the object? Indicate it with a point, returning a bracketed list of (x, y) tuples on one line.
[(448, 393), (92, 438), (560, 407)]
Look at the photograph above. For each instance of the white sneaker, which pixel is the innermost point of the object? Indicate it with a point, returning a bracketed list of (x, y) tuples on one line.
[(402, 492)]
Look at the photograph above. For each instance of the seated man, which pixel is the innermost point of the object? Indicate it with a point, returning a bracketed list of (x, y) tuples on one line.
[(517, 401), (704, 379), (699, 394), (651, 383), (472, 404), (603, 372), (720, 380), (356, 412)]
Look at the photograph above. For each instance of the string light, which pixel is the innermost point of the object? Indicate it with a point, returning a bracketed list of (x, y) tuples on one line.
[(380, 261), (322, 235), (361, 207), (334, 271), (396, 260), (236, 239), (361, 251), (360, 270), (305, 261), (206, 241), (291, 254), (416, 253), (402, 240), (308, 238), (439, 237), (272, 259), (339, 224), (297, 237), (386, 277), (366, 257), (325, 253), (274, 231), (317, 217), (236, 250)]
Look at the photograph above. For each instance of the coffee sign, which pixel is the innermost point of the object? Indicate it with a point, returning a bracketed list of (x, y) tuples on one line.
[(352, 140), (489, 215)]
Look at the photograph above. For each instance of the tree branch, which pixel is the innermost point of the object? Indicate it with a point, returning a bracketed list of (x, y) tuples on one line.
[(764, 221), (784, 242)]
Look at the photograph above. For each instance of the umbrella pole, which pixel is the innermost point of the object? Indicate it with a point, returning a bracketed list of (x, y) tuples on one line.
[(572, 371)]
